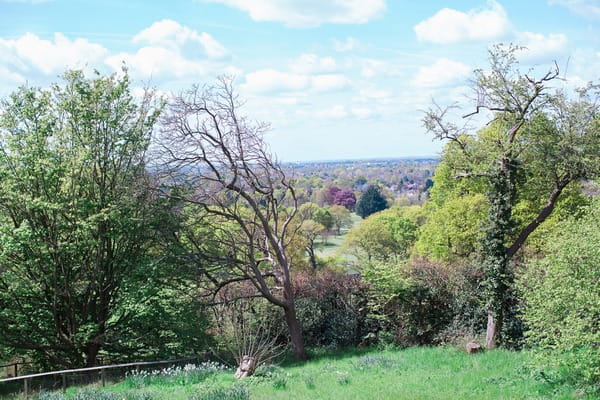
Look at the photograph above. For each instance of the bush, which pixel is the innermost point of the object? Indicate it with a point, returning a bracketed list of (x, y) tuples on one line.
[(422, 303), (562, 294), (328, 305)]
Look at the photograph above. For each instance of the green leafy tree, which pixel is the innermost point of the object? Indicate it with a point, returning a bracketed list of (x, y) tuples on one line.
[(384, 236), (453, 231), (371, 202), (311, 230), (341, 218), (77, 224), (324, 217), (538, 142), (562, 293)]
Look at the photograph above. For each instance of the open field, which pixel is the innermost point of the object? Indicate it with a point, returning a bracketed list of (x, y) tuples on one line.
[(330, 247), (414, 373)]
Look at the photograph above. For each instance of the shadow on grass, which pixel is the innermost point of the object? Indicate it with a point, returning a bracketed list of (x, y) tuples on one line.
[(320, 354)]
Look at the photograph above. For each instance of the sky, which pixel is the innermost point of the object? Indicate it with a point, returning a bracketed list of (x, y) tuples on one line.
[(337, 79)]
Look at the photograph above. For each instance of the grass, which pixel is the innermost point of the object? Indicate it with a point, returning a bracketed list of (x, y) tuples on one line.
[(330, 247), (415, 373)]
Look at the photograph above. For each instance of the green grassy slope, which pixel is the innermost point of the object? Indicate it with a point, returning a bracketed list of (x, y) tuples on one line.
[(415, 373)]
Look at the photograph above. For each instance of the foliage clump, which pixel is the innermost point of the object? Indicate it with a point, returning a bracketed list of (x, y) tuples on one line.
[(562, 294)]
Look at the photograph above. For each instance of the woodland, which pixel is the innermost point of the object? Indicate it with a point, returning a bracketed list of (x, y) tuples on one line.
[(145, 227)]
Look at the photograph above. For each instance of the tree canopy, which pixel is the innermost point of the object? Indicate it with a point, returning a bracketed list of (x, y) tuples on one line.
[(538, 140), (371, 202), (77, 222)]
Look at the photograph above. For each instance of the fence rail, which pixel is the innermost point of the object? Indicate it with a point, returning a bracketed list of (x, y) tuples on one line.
[(27, 379)]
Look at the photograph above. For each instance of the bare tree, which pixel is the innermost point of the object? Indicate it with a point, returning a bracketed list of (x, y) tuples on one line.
[(221, 167)]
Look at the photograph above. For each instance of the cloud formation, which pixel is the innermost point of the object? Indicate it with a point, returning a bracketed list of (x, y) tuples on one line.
[(171, 49), (443, 72), (451, 26), (542, 48), (309, 13), (267, 81), (32, 54)]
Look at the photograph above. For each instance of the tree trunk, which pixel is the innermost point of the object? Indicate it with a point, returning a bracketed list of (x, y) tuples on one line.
[(312, 257), (92, 355), (492, 331), (295, 331)]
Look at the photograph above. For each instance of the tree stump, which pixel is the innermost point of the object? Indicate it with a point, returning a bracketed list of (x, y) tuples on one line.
[(247, 367), (473, 347)]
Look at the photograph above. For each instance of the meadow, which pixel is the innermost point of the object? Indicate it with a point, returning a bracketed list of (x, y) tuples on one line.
[(414, 373)]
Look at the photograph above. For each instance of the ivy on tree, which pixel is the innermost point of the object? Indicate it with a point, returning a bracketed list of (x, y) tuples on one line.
[(537, 140)]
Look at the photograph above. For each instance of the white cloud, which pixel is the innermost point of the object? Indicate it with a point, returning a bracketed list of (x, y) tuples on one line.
[(542, 48), (309, 13), (370, 68), (170, 49), (31, 53), (271, 81), (328, 82), (587, 8), (9, 79), (312, 64), (152, 62), (452, 26), (442, 73), (348, 44), (170, 34), (375, 94), (335, 112)]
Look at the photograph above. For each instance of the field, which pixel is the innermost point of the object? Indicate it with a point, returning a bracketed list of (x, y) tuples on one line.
[(414, 373)]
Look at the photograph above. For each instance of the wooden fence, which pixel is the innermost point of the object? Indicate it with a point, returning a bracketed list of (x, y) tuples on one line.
[(27, 380)]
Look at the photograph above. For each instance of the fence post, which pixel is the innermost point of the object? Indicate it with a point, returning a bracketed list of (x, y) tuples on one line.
[(26, 384), (103, 376), (64, 382)]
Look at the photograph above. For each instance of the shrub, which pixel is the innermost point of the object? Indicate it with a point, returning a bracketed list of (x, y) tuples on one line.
[(329, 306), (562, 294), (408, 303)]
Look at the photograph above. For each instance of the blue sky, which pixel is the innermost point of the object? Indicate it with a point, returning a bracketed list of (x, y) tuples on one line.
[(337, 79)]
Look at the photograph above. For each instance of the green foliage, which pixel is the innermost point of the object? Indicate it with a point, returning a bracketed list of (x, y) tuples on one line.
[(79, 225), (562, 293), (384, 236), (371, 202), (453, 230), (409, 303), (329, 306), (537, 143), (341, 218)]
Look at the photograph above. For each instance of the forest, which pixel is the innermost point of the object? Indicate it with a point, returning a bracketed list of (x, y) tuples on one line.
[(139, 227)]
